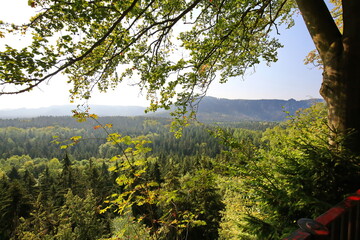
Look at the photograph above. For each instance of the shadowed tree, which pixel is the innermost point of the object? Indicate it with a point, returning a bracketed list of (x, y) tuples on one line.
[(66, 176), (14, 174), (340, 54), (15, 203)]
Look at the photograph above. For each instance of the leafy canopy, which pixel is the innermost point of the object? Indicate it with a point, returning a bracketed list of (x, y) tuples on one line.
[(172, 49)]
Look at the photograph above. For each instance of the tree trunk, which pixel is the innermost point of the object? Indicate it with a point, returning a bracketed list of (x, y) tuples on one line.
[(341, 91), (340, 53)]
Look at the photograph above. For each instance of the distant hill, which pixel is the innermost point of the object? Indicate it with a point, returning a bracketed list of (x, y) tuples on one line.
[(101, 110), (220, 109), (210, 109)]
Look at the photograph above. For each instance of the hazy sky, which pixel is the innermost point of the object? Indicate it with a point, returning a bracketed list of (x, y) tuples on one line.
[(285, 79)]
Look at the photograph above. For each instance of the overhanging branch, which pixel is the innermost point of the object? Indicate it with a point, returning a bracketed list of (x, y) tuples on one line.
[(320, 24)]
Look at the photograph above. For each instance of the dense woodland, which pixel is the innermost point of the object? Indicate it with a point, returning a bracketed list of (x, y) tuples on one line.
[(34, 137), (130, 178)]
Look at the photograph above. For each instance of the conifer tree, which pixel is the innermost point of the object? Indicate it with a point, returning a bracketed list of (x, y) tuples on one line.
[(79, 218), (15, 205)]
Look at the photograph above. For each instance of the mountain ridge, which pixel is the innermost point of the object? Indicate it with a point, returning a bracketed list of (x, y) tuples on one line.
[(209, 109), (220, 109)]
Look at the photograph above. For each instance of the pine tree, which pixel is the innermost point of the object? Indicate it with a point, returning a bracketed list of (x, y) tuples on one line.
[(14, 174), (79, 218), (14, 205)]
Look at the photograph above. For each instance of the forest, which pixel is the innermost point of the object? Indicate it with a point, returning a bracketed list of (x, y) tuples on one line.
[(131, 178)]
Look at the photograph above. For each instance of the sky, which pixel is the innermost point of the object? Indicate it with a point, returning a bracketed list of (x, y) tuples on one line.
[(285, 79)]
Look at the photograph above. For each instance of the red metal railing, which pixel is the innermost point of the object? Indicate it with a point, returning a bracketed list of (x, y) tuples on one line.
[(342, 222)]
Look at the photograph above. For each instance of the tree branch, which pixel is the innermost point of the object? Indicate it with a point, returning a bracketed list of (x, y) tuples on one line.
[(32, 83), (320, 24)]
